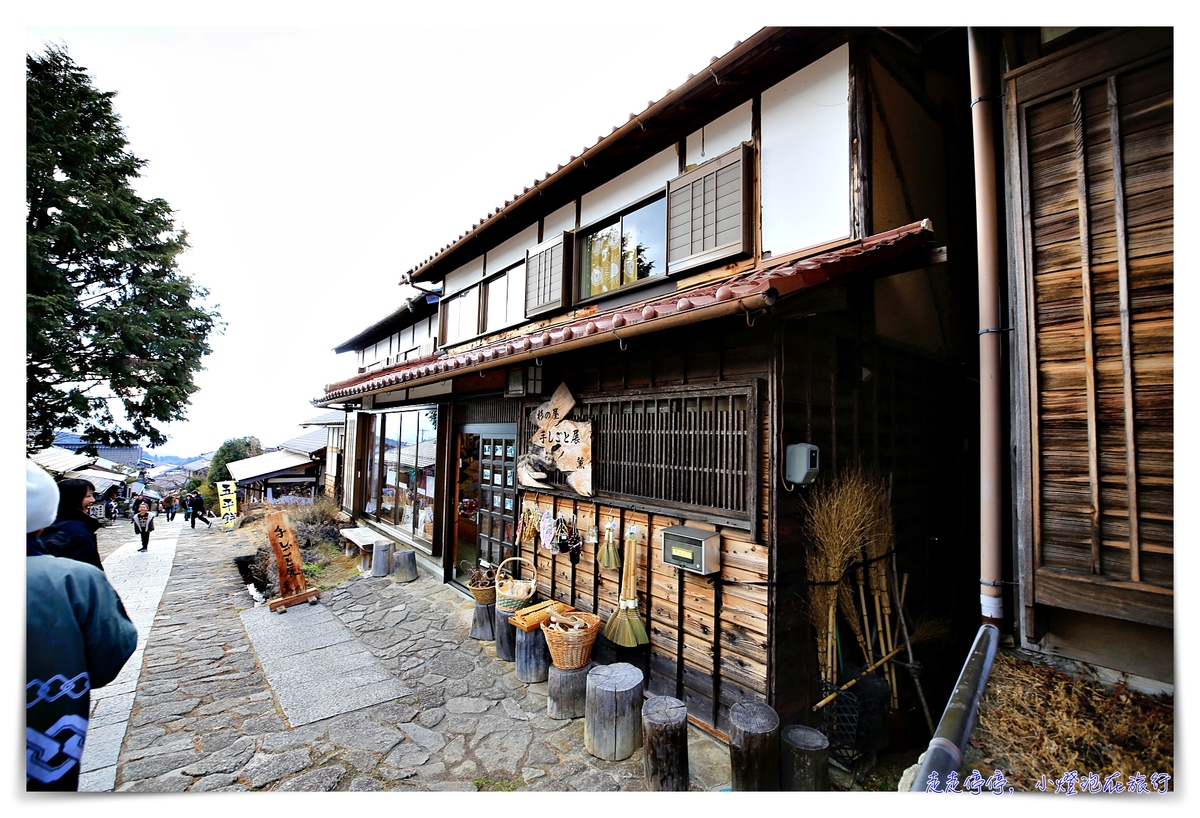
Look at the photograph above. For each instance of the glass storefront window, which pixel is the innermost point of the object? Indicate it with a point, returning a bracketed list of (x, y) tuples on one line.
[(402, 469)]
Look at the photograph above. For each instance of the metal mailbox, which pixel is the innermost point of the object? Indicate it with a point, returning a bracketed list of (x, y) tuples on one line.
[(692, 549)]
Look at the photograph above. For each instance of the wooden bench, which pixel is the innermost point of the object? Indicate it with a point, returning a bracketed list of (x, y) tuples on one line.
[(364, 540)]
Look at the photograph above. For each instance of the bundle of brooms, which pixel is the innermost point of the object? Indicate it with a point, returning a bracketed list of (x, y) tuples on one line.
[(838, 515)]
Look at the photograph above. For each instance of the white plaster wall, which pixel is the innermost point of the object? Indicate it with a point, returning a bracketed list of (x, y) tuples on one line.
[(630, 186), (805, 166), (463, 277), (559, 221), (722, 134), (512, 250)]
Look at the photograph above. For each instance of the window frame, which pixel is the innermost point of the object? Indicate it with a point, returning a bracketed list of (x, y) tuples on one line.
[(746, 520), (743, 154), (582, 232)]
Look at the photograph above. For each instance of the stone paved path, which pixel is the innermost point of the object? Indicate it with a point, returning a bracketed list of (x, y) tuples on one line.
[(206, 718)]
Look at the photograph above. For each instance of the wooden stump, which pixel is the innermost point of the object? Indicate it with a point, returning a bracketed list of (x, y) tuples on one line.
[(805, 763), (533, 657), (483, 625), (404, 564), (664, 744), (567, 692), (754, 747), (612, 722), (506, 636)]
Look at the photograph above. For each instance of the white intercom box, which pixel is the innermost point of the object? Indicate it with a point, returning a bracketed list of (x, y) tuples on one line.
[(802, 462)]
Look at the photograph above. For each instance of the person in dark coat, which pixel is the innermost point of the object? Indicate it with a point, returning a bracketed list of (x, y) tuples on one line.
[(73, 534), (196, 504), (77, 638)]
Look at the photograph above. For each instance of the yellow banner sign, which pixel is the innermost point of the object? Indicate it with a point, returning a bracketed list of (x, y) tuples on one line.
[(227, 498)]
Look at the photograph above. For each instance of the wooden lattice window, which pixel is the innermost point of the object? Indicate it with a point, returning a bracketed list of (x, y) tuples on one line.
[(686, 449), (709, 216), (547, 275)]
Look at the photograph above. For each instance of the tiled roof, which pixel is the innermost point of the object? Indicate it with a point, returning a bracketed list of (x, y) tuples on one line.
[(327, 419), (266, 464), (309, 442), (61, 461), (746, 292)]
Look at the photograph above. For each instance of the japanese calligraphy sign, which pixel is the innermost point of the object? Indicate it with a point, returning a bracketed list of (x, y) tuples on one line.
[(559, 443), (287, 555), (227, 498)]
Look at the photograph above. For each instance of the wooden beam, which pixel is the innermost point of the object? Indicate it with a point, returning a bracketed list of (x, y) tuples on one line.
[(1118, 171), (1089, 352), (1102, 596)]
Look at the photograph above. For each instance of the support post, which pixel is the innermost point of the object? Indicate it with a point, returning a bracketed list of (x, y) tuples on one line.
[(805, 760)]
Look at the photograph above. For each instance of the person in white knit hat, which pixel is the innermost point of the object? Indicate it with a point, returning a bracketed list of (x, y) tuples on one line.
[(77, 638)]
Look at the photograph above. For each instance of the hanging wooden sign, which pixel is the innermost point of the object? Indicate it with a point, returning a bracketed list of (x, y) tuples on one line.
[(293, 587), (565, 445)]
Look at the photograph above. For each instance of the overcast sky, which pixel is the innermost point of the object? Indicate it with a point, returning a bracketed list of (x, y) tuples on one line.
[(312, 166)]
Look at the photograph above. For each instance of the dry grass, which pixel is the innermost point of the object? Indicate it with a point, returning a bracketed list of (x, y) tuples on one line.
[(1035, 720)]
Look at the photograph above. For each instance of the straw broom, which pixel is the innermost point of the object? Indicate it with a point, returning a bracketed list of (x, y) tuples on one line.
[(609, 558), (837, 514), (625, 627)]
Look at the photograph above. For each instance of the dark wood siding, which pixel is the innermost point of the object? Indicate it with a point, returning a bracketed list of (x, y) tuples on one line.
[(1094, 135)]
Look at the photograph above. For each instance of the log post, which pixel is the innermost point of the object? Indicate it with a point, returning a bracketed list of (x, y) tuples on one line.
[(664, 744), (483, 625), (567, 692), (612, 721), (533, 656), (754, 747), (805, 760), (506, 636), (405, 565)]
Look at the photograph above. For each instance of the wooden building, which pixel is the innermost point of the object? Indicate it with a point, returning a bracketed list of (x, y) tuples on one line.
[(779, 251)]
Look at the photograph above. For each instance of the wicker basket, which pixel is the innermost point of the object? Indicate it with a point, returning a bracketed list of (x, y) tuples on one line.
[(515, 594), (482, 584), (571, 649)]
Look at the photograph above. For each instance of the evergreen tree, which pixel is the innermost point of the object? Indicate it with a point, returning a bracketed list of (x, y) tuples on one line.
[(232, 450), (114, 331)]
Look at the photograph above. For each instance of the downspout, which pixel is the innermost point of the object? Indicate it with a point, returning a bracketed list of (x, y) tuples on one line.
[(990, 446)]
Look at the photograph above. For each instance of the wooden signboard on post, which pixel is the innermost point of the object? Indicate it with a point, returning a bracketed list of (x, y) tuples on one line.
[(227, 497), (293, 588), (558, 443)]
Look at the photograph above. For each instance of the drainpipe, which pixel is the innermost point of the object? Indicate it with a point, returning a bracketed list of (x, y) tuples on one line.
[(990, 447)]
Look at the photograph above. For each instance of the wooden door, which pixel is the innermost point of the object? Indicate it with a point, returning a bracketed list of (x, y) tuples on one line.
[(1090, 140)]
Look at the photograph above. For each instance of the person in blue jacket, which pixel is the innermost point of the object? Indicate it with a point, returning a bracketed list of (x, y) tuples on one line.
[(77, 638), (73, 534)]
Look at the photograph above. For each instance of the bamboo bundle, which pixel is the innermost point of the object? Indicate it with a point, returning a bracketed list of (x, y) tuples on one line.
[(836, 519), (877, 542)]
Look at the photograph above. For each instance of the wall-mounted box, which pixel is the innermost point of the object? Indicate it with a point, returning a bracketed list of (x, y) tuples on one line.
[(802, 461), (692, 549)]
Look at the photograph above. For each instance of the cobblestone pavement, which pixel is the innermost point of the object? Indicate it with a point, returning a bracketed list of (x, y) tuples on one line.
[(205, 718)]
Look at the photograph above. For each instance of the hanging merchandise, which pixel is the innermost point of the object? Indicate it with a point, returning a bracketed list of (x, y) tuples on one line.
[(625, 627), (546, 529), (609, 558), (561, 533), (574, 543), (529, 529)]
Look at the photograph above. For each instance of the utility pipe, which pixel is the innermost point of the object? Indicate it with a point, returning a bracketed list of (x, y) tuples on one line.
[(990, 446), (944, 754)]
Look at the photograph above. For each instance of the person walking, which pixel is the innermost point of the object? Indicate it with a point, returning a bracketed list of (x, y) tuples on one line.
[(143, 524), (77, 638), (197, 506), (169, 507), (73, 534)]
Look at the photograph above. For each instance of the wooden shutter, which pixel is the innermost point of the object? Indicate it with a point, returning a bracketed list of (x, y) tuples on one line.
[(709, 215), (547, 275), (1094, 263)]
